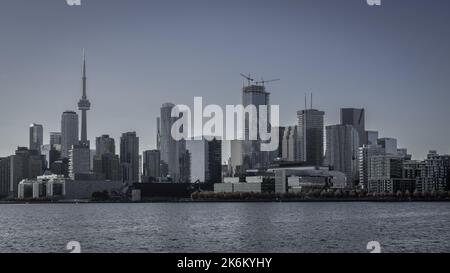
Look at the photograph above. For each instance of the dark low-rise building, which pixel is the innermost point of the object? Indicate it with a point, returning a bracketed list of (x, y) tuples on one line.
[(170, 190)]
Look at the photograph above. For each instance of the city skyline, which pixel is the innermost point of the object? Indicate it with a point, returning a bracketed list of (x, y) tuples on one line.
[(144, 82), (84, 140), (224, 135), (351, 116)]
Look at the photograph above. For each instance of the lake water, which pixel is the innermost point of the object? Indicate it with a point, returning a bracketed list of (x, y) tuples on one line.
[(226, 227)]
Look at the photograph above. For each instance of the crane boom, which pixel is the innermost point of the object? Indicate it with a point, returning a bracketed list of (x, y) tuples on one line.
[(249, 79), (264, 82)]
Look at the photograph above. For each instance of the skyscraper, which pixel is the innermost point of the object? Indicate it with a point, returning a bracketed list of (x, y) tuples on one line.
[(45, 155), (24, 164), (55, 149), (388, 144), (214, 170), (185, 167), (158, 133), (311, 136), (356, 118), (166, 141), (54, 155), (364, 153), (372, 137), (289, 144), (198, 150), (172, 151), (36, 137), (11, 173), (206, 160), (5, 176), (109, 168), (79, 162), (252, 156), (278, 153), (235, 161), (55, 139), (342, 151), (151, 165), (106, 162), (84, 105), (104, 144), (129, 157), (140, 169), (69, 132)]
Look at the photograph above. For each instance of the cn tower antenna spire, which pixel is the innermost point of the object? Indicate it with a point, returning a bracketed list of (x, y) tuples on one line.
[(84, 63), (84, 73), (84, 105)]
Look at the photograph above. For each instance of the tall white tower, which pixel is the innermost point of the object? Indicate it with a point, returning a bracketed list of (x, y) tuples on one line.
[(84, 105)]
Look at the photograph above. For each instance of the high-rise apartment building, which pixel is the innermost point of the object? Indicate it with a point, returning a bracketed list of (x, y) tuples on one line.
[(365, 152), (434, 173), (385, 173)]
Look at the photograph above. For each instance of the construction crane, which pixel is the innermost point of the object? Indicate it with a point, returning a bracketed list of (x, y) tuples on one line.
[(249, 79), (262, 82)]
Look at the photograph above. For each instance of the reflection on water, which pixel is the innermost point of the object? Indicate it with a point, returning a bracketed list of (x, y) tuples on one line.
[(226, 227)]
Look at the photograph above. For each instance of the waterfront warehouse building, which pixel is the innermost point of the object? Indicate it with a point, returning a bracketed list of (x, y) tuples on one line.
[(306, 178)]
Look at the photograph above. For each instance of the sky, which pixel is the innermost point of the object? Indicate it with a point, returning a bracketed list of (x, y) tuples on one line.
[(393, 60)]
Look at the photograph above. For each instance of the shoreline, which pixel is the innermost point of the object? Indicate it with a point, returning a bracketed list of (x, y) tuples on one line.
[(162, 201)]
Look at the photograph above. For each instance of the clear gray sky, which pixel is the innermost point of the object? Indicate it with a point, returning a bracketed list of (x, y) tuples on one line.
[(393, 60)]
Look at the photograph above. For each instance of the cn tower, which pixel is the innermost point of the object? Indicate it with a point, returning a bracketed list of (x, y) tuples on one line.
[(84, 105)]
